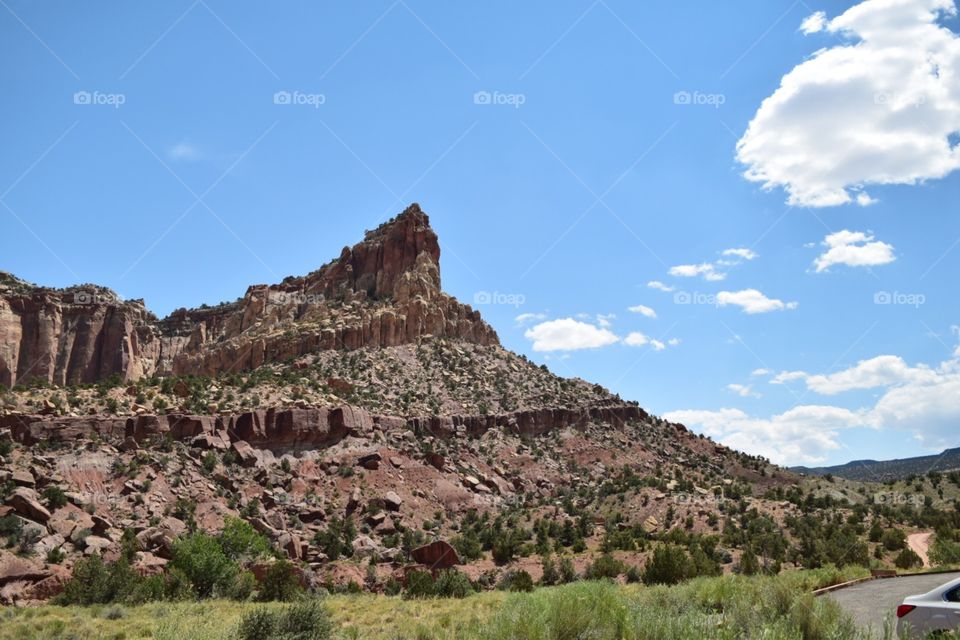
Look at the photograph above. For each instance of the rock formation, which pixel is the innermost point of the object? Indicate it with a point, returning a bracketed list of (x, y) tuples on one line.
[(384, 291)]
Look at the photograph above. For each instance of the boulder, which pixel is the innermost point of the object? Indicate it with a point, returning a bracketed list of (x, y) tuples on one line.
[(23, 478), (392, 501), (245, 453), (25, 503), (437, 555), (370, 461)]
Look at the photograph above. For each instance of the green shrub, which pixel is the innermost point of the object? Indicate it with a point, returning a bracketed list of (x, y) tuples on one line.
[(308, 620), (668, 565), (517, 581), (96, 582), (907, 559), (605, 566), (55, 497), (240, 541), (203, 561), (420, 584), (56, 556), (11, 527), (451, 583), (893, 539), (280, 583), (944, 551)]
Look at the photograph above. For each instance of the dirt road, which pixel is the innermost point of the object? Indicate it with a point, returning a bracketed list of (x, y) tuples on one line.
[(920, 544)]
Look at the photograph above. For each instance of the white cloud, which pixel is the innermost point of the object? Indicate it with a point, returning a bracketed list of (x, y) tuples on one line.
[(920, 400), (814, 23), (707, 270), (656, 284), (804, 434), (184, 151), (744, 254), (877, 108), (752, 301), (928, 408), (743, 390), (637, 339), (854, 249), (881, 371), (788, 376), (604, 320), (525, 318), (760, 372), (643, 310), (567, 334)]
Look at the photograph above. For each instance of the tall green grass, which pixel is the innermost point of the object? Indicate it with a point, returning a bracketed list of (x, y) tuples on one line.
[(725, 608)]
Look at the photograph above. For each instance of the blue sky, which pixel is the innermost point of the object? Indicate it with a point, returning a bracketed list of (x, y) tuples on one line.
[(569, 153)]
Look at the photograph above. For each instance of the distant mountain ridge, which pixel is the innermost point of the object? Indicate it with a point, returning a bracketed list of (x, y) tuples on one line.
[(883, 470)]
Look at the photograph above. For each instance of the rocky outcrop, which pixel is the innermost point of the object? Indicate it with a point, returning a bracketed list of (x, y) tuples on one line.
[(384, 291), (531, 423), (69, 336), (284, 429)]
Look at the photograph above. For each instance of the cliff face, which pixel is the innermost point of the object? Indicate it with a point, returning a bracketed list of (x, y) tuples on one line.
[(384, 291)]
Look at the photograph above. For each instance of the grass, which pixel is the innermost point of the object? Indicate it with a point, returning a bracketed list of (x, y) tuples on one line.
[(772, 608)]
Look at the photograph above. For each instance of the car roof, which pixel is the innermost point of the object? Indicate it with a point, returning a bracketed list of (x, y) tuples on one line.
[(945, 587)]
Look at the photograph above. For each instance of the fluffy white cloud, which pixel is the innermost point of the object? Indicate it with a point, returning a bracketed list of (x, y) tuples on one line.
[(567, 334), (803, 435), (921, 400), (637, 339), (878, 108), (760, 372), (743, 390), (707, 270), (525, 318), (743, 254), (605, 320), (788, 376), (643, 310), (928, 408), (814, 23), (752, 301), (659, 286), (881, 371), (854, 249)]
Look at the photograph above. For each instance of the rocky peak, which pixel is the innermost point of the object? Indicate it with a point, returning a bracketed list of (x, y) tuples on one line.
[(384, 291), (376, 265)]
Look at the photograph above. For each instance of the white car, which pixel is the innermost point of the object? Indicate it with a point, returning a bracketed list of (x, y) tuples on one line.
[(930, 613)]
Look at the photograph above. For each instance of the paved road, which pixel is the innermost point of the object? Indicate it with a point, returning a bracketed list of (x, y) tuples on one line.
[(870, 602)]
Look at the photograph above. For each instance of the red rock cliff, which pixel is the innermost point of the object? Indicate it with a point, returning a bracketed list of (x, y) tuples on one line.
[(382, 292)]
